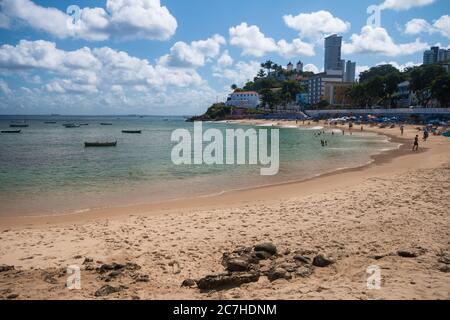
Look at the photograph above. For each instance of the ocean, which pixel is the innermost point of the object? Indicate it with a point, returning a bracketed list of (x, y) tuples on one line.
[(46, 170)]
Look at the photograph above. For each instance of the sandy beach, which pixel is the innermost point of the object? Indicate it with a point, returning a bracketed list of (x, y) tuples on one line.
[(393, 213)]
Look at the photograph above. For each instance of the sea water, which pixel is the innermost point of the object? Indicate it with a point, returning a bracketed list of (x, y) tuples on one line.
[(47, 170)]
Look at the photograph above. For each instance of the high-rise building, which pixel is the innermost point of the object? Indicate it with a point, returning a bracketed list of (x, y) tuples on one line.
[(443, 55), (333, 60), (299, 66), (435, 51), (350, 71), (428, 57), (435, 55)]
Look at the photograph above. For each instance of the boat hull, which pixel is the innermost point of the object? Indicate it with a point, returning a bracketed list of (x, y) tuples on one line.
[(11, 131), (132, 131), (100, 144)]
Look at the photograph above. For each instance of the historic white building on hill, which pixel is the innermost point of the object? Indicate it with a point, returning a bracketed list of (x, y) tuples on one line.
[(246, 99)]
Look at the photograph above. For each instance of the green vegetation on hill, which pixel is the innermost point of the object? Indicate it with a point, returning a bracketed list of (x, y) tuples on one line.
[(379, 85)]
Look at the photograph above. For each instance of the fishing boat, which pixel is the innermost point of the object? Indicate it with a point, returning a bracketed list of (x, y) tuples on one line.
[(84, 124), (131, 131), (18, 126), (11, 131), (50, 122), (71, 125), (106, 124), (100, 144), (446, 134)]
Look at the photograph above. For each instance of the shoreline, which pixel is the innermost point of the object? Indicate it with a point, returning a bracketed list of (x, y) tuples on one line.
[(220, 199), (359, 217)]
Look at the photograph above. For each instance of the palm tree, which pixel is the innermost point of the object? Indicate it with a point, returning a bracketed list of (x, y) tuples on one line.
[(267, 65), (234, 87)]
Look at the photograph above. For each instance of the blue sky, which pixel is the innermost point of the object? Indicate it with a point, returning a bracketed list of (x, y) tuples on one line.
[(177, 57)]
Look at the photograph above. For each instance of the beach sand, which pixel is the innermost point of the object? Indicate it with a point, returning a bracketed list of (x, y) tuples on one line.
[(359, 217)]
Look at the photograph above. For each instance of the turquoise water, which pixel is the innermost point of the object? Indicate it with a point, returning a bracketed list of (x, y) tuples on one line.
[(47, 170)]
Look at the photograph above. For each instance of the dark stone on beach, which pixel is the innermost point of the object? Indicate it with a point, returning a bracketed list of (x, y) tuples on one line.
[(88, 260), (301, 259), (132, 266), (12, 296), (4, 268), (322, 262), (407, 254), (107, 290), (444, 268), (118, 266), (444, 258), (189, 283), (115, 274), (304, 271), (266, 247), (262, 255), (49, 278), (222, 281), (141, 278), (109, 267), (78, 257), (278, 273), (234, 265)]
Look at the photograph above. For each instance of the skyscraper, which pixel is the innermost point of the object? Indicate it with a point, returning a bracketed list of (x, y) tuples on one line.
[(428, 57), (350, 71), (333, 60)]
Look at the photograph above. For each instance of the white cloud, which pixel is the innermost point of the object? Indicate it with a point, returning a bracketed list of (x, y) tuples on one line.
[(122, 19), (225, 59), (417, 26), (4, 88), (400, 5), (378, 41), (193, 55), (442, 25), (316, 24), (254, 43), (400, 66), (86, 70), (296, 48), (251, 40), (239, 73), (311, 68)]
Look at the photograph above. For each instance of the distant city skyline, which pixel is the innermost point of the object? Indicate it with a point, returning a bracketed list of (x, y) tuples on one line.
[(173, 57)]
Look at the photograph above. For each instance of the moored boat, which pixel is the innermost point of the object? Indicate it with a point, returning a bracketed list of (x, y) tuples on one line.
[(446, 134), (106, 124), (100, 144), (131, 131), (71, 125), (18, 126), (11, 131), (50, 122)]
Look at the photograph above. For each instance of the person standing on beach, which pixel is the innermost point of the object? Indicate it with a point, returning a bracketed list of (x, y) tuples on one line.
[(416, 143), (402, 128)]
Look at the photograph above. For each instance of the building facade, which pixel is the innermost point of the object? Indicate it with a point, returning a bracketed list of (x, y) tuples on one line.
[(333, 59), (350, 71), (317, 82), (299, 66), (246, 99), (435, 55)]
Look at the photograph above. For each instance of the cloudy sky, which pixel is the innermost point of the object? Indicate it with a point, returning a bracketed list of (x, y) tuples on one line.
[(177, 57)]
